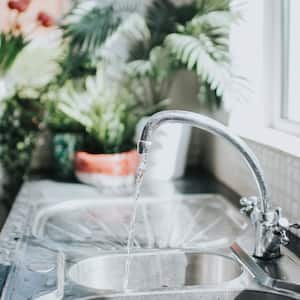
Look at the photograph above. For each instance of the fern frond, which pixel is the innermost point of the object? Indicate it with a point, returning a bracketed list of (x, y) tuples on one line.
[(160, 65), (117, 46), (139, 68), (206, 6), (221, 20), (161, 20), (88, 30), (75, 104), (199, 54)]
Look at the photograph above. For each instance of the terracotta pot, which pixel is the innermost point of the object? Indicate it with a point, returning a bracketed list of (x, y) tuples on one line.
[(111, 173)]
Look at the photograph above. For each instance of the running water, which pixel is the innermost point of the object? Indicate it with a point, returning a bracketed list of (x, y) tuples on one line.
[(139, 181)]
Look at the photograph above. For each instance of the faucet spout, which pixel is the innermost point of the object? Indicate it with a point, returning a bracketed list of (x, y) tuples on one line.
[(216, 128)]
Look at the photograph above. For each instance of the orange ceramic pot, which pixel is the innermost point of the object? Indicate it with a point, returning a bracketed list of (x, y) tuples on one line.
[(112, 173)]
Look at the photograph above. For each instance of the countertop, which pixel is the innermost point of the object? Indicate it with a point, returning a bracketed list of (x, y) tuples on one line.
[(18, 243), (41, 190)]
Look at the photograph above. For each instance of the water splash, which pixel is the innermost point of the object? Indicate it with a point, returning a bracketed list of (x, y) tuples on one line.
[(139, 181)]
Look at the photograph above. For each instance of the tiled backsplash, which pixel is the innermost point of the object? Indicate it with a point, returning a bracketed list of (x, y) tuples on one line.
[(282, 172)]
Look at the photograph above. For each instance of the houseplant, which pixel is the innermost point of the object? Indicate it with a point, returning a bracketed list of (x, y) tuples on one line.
[(152, 44), (78, 68), (109, 115), (194, 37), (144, 46)]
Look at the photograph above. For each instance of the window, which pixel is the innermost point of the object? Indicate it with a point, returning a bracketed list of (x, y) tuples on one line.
[(288, 113), (291, 61)]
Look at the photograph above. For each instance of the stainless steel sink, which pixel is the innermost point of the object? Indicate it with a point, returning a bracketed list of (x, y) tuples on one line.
[(155, 270), (176, 221)]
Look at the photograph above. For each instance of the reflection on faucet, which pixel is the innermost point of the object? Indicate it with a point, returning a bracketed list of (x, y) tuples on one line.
[(270, 227)]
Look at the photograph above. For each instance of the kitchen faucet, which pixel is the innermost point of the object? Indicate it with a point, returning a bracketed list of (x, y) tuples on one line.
[(270, 226)]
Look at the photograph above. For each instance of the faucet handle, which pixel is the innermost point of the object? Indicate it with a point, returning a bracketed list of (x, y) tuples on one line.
[(295, 225), (283, 225), (284, 240), (248, 203)]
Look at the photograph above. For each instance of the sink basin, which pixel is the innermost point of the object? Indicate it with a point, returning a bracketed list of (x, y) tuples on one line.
[(178, 221), (155, 270)]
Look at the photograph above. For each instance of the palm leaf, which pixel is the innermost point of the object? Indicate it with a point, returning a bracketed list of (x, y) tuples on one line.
[(206, 6), (74, 66), (88, 30), (203, 46), (118, 45), (200, 55), (185, 13), (161, 20)]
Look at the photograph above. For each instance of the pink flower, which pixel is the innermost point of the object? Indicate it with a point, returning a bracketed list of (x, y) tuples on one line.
[(45, 20), (19, 5)]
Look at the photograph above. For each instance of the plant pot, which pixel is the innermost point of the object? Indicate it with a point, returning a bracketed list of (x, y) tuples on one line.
[(168, 155), (64, 147), (110, 173)]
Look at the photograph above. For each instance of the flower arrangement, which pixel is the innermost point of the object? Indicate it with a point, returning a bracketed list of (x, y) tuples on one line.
[(14, 38)]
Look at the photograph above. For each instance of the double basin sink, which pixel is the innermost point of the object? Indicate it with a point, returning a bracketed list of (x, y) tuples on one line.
[(181, 250)]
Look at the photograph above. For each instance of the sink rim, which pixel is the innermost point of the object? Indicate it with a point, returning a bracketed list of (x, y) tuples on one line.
[(228, 284)]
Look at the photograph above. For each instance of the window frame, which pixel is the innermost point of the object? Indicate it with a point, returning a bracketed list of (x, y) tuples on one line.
[(280, 75), (260, 119)]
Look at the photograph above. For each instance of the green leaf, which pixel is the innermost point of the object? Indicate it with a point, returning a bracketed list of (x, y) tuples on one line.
[(10, 46), (87, 30)]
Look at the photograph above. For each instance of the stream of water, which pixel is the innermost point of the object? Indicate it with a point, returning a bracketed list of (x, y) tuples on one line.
[(139, 181)]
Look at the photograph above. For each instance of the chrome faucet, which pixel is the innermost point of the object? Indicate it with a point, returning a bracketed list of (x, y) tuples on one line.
[(270, 226)]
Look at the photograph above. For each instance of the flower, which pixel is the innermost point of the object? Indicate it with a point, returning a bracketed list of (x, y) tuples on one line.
[(18, 5), (44, 19)]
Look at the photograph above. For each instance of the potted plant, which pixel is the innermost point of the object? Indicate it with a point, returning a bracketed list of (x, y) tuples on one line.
[(146, 45), (109, 115), (192, 37)]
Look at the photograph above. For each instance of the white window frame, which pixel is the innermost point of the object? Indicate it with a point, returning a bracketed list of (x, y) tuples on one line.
[(280, 119), (260, 120)]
